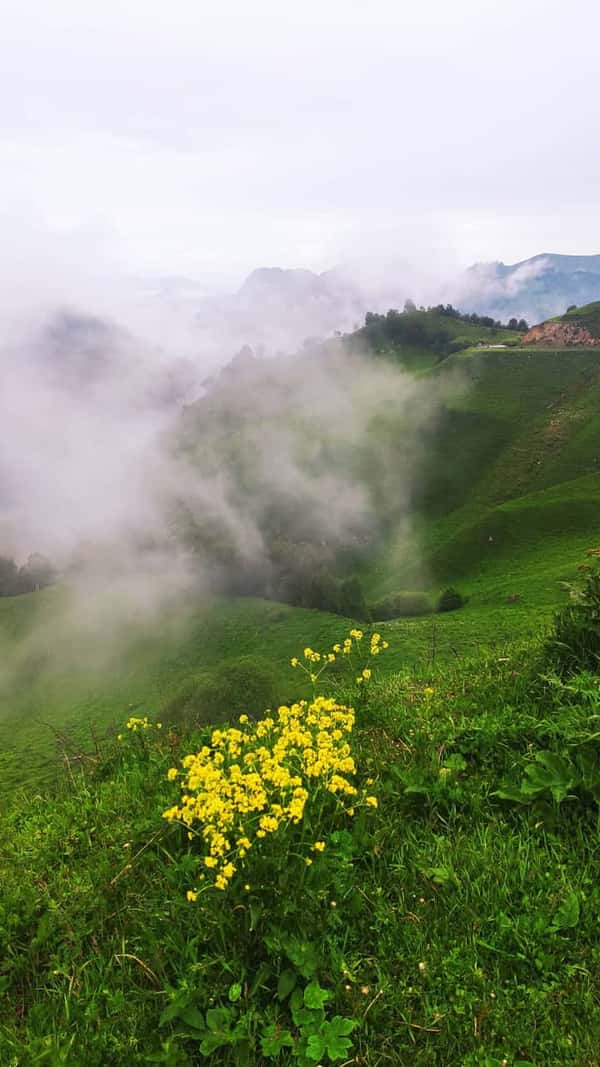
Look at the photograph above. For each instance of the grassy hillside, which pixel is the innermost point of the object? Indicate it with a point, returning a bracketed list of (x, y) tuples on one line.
[(512, 473), (526, 420), (421, 339), (444, 913), (449, 918), (588, 315), (41, 710), (508, 507)]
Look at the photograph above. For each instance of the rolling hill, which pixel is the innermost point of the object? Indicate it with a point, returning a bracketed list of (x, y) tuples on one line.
[(506, 507), (534, 289), (450, 914)]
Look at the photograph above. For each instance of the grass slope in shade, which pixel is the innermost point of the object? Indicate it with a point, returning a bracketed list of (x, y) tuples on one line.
[(511, 490), (446, 926), (154, 669), (526, 420), (148, 674)]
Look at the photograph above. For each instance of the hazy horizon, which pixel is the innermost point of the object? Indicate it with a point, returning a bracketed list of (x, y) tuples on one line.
[(207, 142)]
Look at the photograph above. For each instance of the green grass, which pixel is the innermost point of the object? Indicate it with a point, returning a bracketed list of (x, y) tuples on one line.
[(449, 925), (147, 672), (511, 484), (457, 922), (588, 315), (42, 711)]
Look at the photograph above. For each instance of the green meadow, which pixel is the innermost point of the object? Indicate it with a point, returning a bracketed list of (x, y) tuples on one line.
[(455, 921)]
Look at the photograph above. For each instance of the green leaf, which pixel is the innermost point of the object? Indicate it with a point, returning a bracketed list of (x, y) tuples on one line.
[(286, 983), (274, 1039), (218, 1018), (212, 1042), (170, 1012), (455, 762), (513, 792), (314, 996), (181, 1001), (315, 1047), (191, 1016), (303, 955), (256, 911), (235, 992), (342, 1026), (440, 875), (304, 1017), (334, 1034), (550, 771), (567, 915)]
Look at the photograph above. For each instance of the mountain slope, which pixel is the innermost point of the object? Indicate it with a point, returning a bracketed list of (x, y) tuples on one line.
[(534, 289), (506, 509)]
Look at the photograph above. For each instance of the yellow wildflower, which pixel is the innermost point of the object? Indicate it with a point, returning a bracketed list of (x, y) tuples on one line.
[(172, 773), (372, 802), (191, 895), (253, 780)]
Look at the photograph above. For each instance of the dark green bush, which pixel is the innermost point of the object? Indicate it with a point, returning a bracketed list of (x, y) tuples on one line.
[(236, 686), (450, 600), (404, 603), (174, 710), (352, 601), (574, 644)]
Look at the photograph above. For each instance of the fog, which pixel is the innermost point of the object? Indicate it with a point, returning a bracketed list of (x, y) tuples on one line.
[(110, 436), (150, 159)]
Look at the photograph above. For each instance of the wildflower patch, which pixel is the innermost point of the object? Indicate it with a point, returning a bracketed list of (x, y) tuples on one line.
[(253, 780)]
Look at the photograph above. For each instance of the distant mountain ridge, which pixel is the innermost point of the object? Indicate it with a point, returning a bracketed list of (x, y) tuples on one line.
[(277, 308), (535, 289)]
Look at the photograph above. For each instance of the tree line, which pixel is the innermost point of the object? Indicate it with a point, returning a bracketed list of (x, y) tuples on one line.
[(424, 327), (36, 573)]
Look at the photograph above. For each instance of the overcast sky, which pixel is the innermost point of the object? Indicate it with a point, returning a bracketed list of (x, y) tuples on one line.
[(208, 138)]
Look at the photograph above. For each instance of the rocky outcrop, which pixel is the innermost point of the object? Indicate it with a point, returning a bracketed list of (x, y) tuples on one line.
[(560, 335)]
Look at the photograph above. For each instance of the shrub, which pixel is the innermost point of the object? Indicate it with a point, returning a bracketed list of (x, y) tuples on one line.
[(458, 344), (174, 710), (352, 599), (574, 644), (450, 600), (403, 603), (255, 779), (244, 685)]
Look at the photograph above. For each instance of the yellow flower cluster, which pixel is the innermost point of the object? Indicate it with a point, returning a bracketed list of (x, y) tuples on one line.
[(138, 724), (324, 659), (254, 779), (377, 645), (134, 724)]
